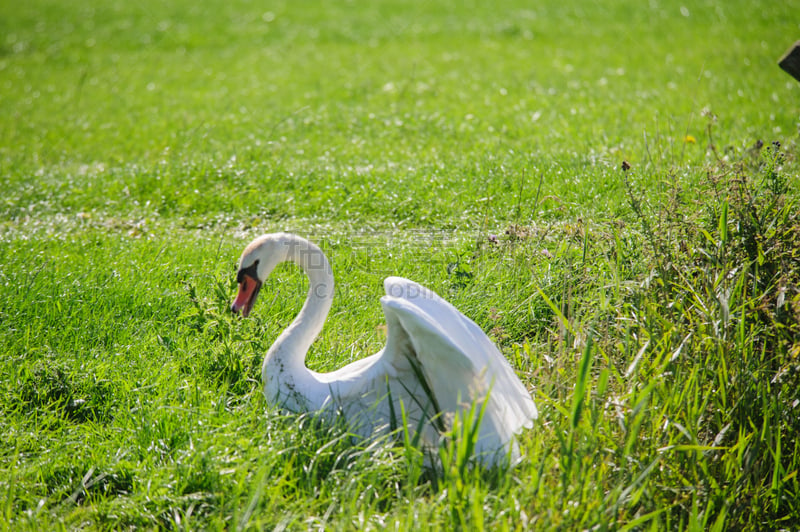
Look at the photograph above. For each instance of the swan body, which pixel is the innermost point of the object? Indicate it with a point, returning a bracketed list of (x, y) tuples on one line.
[(436, 364)]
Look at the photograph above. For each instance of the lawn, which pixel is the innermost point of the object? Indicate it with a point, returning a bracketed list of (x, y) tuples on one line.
[(477, 148)]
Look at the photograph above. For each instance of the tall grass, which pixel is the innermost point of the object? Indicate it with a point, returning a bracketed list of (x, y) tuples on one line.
[(723, 321)]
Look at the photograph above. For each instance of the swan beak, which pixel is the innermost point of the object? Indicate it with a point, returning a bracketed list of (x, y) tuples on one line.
[(246, 298)]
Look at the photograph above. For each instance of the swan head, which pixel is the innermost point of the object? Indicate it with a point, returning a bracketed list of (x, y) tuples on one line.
[(258, 260)]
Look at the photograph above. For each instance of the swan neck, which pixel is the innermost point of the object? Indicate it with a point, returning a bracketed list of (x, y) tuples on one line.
[(312, 316), (292, 346)]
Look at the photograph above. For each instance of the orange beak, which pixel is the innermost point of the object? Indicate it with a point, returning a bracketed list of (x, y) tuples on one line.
[(246, 298)]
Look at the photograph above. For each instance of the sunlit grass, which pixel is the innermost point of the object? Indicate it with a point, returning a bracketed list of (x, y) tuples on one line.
[(476, 149)]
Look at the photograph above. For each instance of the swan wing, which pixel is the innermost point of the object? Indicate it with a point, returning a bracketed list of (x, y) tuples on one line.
[(429, 338)]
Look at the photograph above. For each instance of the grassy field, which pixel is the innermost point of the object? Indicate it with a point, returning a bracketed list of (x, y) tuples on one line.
[(474, 147)]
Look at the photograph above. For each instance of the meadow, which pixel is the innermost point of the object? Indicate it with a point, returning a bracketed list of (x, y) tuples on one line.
[(609, 191)]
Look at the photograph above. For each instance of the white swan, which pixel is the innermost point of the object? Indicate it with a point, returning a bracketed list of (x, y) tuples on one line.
[(436, 362)]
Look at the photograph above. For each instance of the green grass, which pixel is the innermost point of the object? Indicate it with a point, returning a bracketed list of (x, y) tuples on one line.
[(475, 148)]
